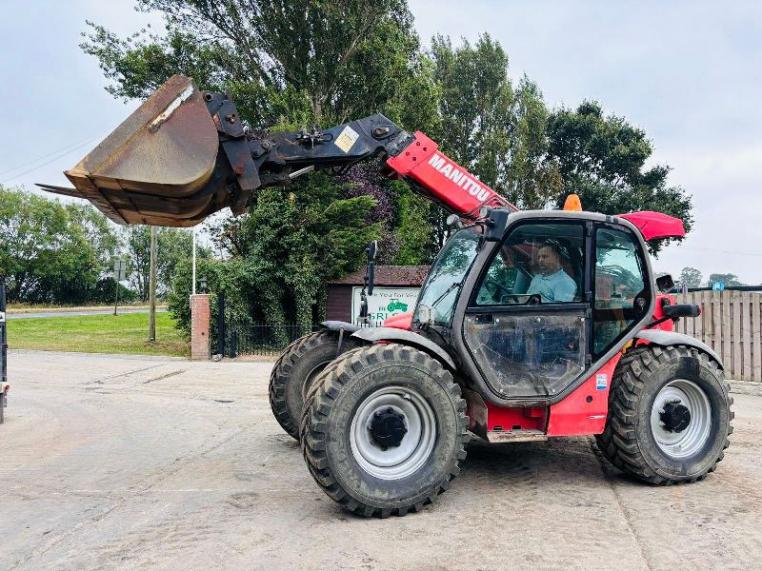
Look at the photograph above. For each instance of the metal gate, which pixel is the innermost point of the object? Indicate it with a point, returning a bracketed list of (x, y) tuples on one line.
[(3, 350), (235, 336)]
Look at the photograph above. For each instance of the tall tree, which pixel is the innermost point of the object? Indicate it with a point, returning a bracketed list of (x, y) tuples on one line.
[(726, 279), (173, 245), (50, 252), (489, 126), (292, 62), (474, 110), (691, 277), (603, 159), (475, 104)]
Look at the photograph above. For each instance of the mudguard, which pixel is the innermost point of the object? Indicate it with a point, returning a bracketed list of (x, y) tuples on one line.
[(666, 338), (339, 325), (376, 334)]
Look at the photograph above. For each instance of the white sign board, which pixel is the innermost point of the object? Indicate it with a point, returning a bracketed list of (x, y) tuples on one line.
[(120, 269), (385, 302)]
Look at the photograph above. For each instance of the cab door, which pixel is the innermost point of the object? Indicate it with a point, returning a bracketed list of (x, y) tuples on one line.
[(622, 287), (527, 325)]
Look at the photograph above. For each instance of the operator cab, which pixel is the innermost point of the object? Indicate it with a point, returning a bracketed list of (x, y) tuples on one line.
[(529, 312)]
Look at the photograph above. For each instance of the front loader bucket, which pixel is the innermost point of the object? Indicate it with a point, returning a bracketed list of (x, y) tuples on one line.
[(159, 166)]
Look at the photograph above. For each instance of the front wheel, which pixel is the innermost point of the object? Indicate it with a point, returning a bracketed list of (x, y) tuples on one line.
[(669, 415), (383, 430), (296, 369)]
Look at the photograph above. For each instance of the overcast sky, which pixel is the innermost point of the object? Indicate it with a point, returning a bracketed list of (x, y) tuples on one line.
[(688, 73)]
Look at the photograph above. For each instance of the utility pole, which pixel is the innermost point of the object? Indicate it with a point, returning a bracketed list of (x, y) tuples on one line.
[(120, 273), (193, 283), (152, 289)]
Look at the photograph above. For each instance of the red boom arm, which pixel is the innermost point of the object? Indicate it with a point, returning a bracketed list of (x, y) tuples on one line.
[(443, 180)]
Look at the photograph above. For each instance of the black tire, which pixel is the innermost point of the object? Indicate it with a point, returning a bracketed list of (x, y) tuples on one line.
[(341, 392), (628, 440), (297, 367)]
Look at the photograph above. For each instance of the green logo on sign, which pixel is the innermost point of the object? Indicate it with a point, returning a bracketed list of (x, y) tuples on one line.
[(396, 305)]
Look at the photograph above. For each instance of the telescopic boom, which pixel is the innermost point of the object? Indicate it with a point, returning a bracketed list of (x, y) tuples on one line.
[(185, 154)]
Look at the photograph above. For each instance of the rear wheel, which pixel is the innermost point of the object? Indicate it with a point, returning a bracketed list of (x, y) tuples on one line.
[(669, 415), (383, 430), (296, 369)]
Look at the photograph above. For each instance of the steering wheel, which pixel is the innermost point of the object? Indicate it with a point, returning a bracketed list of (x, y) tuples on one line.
[(498, 288), (513, 298)]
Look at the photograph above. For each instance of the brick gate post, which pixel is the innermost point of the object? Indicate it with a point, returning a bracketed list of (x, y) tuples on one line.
[(200, 331)]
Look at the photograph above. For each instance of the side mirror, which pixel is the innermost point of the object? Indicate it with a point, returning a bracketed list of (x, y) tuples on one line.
[(454, 221), (665, 283), (497, 221), (681, 310)]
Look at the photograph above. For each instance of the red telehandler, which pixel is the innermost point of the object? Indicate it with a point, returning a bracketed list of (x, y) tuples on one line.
[(530, 325)]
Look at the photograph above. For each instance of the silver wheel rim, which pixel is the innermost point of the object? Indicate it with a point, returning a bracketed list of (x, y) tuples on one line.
[(688, 441), (417, 444)]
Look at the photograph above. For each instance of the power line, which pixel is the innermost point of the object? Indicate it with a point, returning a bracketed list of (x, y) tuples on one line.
[(718, 251), (54, 156), (40, 158)]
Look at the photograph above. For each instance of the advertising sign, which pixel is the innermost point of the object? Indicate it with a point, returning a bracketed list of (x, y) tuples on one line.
[(385, 302)]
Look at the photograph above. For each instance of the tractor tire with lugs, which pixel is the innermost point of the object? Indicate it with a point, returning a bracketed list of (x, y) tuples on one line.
[(296, 368), (669, 415), (383, 430)]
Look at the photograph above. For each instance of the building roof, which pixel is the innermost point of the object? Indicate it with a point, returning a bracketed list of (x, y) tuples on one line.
[(399, 276)]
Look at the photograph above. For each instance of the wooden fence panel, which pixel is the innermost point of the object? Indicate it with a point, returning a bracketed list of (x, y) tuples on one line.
[(698, 330), (726, 331), (731, 324), (690, 322), (716, 304), (746, 332), (735, 305), (756, 347)]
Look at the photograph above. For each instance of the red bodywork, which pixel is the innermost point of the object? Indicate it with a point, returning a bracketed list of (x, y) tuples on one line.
[(583, 411), (655, 225), (400, 321)]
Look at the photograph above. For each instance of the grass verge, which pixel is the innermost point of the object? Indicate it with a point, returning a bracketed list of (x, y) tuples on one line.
[(98, 334)]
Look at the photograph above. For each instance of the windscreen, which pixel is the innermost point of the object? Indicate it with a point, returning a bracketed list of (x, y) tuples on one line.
[(440, 292)]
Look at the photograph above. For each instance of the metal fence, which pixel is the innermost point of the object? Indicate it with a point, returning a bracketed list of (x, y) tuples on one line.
[(730, 324), (3, 336), (257, 338)]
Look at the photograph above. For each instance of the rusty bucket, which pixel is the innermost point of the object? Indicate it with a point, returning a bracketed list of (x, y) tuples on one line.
[(158, 166)]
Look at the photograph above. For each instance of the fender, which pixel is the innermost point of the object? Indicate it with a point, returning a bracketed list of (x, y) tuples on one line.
[(339, 325), (666, 338), (376, 334)]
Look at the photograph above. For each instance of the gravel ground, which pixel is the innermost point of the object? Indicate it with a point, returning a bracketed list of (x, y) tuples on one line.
[(140, 462)]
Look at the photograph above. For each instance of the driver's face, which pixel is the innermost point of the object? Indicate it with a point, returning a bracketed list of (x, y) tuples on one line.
[(547, 261)]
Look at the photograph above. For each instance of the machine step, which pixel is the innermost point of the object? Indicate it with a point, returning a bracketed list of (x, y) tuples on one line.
[(495, 436)]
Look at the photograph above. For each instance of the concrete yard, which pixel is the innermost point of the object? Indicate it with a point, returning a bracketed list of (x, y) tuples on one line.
[(142, 462)]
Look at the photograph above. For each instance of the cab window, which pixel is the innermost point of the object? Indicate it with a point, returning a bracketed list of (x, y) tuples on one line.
[(538, 263), (621, 293)]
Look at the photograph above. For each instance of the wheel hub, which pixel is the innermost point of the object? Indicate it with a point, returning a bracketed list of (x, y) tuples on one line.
[(681, 418), (393, 432), (387, 428), (675, 416)]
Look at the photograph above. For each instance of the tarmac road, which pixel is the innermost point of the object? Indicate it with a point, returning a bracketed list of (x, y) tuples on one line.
[(136, 462), (78, 312)]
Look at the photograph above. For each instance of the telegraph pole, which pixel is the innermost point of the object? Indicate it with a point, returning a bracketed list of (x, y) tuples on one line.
[(193, 278), (152, 289)]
